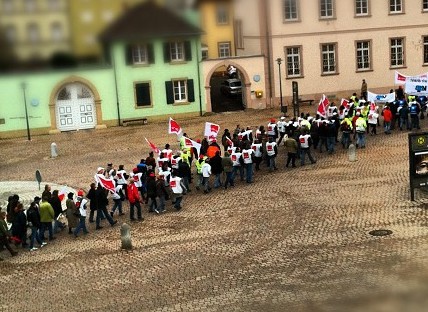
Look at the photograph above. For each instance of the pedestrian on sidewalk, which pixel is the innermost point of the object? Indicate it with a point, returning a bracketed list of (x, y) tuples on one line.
[(4, 235)]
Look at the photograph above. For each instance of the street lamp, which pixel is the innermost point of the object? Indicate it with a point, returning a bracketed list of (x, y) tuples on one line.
[(279, 61), (24, 86)]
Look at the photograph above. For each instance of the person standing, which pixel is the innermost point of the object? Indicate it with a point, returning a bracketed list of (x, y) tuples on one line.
[(372, 121), (217, 169), (206, 173), (93, 202), (364, 90), (81, 206), (238, 164), (47, 215), (305, 148), (404, 116), (102, 203), (33, 218), (346, 127), (227, 165), (57, 207), (282, 129), (134, 201), (161, 192), (72, 213), (4, 235), (291, 149), (272, 151), (178, 190), (360, 127), (257, 147), (19, 228), (152, 193), (272, 129), (387, 119), (118, 197), (415, 109), (247, 158)]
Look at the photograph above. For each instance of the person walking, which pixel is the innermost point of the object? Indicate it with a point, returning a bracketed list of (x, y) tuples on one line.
[(227, 165), (291, 149), (134, 201), (360, 127), (217, 169), (178, 189), (305, 148), (152, 193), (81, 206), (72, 213), (387, 119), (272, 151), (161, 192), (102, 203), (4, 235), (47, 215), (206, 173), (33, 218)]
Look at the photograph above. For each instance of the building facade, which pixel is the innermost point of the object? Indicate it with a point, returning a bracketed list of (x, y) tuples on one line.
[(328, 48), (35, 29)]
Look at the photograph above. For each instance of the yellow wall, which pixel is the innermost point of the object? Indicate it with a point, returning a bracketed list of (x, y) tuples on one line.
[(215, 33), (19, 17)]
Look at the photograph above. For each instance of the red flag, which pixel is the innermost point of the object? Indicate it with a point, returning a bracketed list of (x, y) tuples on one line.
[(108, 184), (62, 193), (211, 130), (153, 147), (322, 106), (345, 103), (191, 143), (174, 127)]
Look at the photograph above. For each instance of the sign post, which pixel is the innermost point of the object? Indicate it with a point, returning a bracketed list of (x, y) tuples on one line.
[(418, 161)]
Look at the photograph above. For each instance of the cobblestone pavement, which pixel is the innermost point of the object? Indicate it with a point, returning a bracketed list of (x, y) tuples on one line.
[(295, 240)]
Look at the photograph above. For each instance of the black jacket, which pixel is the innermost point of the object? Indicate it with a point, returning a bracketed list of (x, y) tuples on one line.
[(33, 216)]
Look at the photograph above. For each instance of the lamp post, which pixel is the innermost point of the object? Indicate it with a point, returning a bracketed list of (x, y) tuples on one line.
[(24, 86), (279, 61)]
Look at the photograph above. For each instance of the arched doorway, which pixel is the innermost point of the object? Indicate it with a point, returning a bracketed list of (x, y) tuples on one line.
[(227, 92), (75, 108), (74, 105)]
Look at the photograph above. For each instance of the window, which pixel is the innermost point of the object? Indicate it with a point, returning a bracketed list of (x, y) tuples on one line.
[(425, 41), (425, 5), (33, 32), (142, 94), (7, 6), (56, 32), (10, 32), (363, 55), (54, 5), (328, 56), (362, 7), (290, 10), (326, 9), (294, 68), (395, 6), (224, 49), (30, 5), (222, 14), (204, 50), (179, 91), (177, 51), (139, 54), (397, 52), (239, 38)]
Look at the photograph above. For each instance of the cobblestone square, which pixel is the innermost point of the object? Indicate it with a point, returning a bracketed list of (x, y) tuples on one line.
[(294, 240)]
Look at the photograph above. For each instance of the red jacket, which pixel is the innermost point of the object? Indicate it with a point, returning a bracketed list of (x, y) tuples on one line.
[(387, 115), (133, 194)]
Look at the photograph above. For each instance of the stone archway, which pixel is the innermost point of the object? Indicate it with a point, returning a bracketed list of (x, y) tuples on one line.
[(245, 79), (53, 101)]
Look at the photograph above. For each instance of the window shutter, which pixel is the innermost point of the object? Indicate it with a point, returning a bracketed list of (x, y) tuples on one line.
[(128, 52), (190, 91), (166, 52), (169, 92), (187, 51), (150, 54)]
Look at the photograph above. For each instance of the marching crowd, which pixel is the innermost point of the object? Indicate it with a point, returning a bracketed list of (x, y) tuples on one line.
[(155, 181)]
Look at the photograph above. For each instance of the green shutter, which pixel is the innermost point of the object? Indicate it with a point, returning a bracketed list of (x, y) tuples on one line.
[(166, 52), (187, 51), (190, 91), (128, 51), (150, 54), (169, 92)]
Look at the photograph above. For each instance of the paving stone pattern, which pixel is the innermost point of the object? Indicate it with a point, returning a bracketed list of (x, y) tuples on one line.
[(295, 240)]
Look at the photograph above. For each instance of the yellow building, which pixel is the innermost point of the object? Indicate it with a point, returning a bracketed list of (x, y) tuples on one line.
[(35, 29), (217, 23), (88, 18)]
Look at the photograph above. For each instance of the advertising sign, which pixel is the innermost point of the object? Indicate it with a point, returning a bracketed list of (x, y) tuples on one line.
[(418, 161)]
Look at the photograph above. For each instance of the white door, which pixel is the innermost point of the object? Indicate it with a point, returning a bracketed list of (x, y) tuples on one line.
[(75, 108)]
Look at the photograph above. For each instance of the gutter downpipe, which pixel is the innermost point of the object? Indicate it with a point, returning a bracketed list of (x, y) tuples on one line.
[(268, 46), (116, 89), (199, 77)]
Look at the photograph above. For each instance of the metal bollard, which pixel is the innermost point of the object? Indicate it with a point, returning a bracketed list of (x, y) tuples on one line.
[(125, 235), (352, 153), (54, 150)]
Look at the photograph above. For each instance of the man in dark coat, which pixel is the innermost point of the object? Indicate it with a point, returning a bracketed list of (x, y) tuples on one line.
[(216, 169), (102, 203)]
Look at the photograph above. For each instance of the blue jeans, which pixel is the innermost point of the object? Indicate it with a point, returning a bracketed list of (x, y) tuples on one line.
[(303, 152), (404, 121), (361, 139), (178, 199), (272, 164), (161, 205), (81, 226), (35, 236), (346, 136), (249, 172), (217, 180), (206, 184), (103, 212), (153, 205), (241, 172), (331, 142), (229, 179), (57, 226), (117, 205), (387, 127), (46, 226)]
